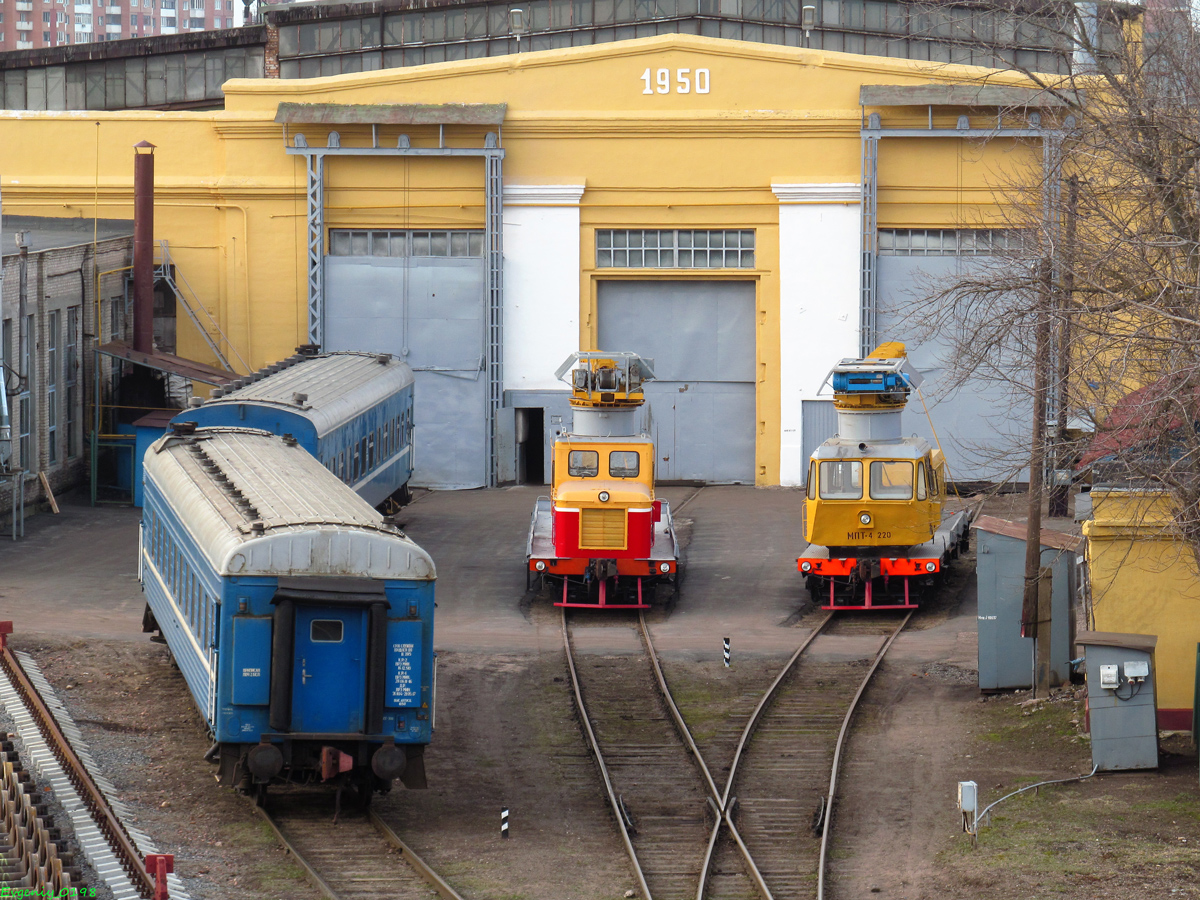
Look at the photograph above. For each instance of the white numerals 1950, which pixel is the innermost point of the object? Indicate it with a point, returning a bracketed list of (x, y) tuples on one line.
[(659, 82)]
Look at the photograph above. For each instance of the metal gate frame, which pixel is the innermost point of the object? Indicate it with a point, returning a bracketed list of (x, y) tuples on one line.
[(872, 131), (493, 156)]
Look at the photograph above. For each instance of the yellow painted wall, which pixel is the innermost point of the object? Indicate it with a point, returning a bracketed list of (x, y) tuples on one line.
[(231, 202), (1144, 581)]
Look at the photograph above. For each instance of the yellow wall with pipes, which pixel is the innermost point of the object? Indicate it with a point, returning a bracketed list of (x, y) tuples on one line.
[(231, 203)]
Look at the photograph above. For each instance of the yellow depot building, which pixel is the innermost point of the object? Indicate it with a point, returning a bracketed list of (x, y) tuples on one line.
[(1144, 580), (743, 214)]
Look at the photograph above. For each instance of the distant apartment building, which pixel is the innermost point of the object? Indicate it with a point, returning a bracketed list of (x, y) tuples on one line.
[(34, 24)]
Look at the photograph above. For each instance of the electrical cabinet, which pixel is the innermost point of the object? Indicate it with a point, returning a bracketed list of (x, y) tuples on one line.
[(1122, 712)]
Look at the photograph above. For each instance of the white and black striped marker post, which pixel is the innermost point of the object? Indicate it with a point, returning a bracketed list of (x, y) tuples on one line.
[(727, 653), (504, 821)]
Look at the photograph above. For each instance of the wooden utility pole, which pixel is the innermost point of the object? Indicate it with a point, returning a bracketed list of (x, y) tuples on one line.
[(1060, 493), (1037, 454)]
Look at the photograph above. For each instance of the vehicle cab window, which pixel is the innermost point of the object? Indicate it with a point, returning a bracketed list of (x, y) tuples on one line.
[(624, 464), (921, 481), (891, 480), (841, 479), (583, 464)]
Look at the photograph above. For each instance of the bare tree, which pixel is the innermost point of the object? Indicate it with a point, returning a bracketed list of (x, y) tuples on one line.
[(1094, 312)]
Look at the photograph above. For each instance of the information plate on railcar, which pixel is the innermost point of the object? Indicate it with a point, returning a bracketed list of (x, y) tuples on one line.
[(404, 664)]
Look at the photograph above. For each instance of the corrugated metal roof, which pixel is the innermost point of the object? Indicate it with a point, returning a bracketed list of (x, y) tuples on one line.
[(338, 386), (259, 505)]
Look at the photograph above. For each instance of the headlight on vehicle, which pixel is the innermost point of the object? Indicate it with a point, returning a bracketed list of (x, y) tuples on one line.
[(865, 518), (929, 566), (604, 496), (805, 567), (664, 568), (540, 566)]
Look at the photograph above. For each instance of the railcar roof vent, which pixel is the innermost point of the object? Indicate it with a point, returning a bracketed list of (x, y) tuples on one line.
[(383, 358), (308, 349), (299, 398), (183, 427)]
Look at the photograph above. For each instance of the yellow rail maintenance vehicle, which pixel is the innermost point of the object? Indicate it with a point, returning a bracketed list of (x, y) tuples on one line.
[(873, 513), (603, 535)]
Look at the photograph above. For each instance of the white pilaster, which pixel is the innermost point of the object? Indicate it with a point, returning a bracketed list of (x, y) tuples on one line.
[(819, 246), (541, 282)]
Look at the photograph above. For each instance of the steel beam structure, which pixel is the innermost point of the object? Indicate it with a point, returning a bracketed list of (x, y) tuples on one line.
[(872, 133), (493, 156)]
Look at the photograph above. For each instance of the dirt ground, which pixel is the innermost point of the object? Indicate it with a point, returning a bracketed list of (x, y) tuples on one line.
[(507, 736)]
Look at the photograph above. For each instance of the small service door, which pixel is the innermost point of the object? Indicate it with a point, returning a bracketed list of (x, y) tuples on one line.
[(329, 670)]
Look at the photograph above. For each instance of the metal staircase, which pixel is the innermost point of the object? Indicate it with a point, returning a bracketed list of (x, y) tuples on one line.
[(166, 272)]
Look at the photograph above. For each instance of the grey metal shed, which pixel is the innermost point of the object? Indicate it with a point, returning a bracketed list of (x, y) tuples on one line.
[(1122, 712), (1006, 660)]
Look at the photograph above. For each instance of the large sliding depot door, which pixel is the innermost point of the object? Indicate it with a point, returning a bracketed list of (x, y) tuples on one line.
[(431, 312), (700, 335)]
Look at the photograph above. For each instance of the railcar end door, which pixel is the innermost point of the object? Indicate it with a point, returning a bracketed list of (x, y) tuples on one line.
[(329, 670)]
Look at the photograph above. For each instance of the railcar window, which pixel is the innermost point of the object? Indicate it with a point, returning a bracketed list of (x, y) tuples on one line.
[(583, 463), (326, 631), (935, 489), (370, 452), (891, 480), (812, 480), (922, 483), (841, 479), (624, 464)]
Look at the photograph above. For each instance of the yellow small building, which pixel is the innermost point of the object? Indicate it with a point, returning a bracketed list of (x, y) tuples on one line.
[(743, 214), (1144, 580)]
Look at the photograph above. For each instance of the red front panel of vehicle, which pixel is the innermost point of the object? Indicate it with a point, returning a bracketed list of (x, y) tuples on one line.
[(639, 536)]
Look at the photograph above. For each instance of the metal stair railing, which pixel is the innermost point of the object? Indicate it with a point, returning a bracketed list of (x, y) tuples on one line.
[(166, 270)]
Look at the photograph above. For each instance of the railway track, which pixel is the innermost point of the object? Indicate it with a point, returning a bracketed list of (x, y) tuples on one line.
[(359, 858), (780, 790), (123, 857)]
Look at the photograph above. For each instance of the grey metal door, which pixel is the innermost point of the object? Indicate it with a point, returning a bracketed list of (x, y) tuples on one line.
[(818, 423), (977, 425), (700, 335), (431, 313)]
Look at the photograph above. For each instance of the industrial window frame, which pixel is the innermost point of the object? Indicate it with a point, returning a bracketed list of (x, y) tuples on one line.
[(680, 248), (949, 241), (404, 244), (24, 399)]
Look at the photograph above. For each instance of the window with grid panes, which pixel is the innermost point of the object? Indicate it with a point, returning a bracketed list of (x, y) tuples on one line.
[(377, 242), (948, 241), (632, 248)]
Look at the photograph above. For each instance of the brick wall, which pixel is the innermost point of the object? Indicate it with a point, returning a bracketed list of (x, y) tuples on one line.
[(59, 281)]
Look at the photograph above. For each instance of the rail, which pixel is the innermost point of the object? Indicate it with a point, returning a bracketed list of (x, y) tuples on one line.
[(831, 797), (618, 810), (329, 884), (93, 798)]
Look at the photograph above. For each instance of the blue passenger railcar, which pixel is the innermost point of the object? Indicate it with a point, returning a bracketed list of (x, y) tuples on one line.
[(301, 619), (352, 411)]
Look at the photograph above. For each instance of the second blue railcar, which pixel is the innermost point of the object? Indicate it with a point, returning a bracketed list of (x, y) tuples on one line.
[(352, 411)]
